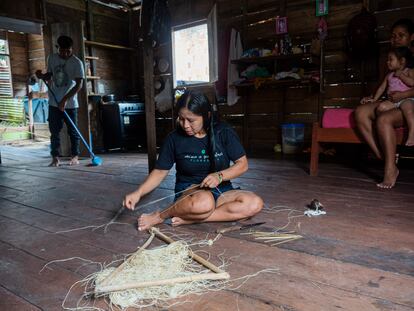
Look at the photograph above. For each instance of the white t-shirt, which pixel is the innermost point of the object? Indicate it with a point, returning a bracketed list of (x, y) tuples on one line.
[(65, 71)]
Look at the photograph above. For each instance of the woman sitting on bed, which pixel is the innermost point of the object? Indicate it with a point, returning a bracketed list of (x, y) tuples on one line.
[(377, 127)]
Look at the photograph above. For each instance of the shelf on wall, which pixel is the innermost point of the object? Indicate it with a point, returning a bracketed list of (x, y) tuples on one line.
[(311, 58), (163, 74), (280, 83), (109, 46), (93, 77), (92, 57)]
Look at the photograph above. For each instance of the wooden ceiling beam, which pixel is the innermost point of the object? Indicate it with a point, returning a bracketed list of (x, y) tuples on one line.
[(113, 3)]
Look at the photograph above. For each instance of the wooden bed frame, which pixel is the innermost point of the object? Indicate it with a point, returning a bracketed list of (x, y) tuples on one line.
[(335, 135)]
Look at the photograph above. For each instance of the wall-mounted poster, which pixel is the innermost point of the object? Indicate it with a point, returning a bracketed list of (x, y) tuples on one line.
[(321, 7), (281, 25)]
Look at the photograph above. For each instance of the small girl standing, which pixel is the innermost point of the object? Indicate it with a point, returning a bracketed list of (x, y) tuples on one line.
[(400, 79)]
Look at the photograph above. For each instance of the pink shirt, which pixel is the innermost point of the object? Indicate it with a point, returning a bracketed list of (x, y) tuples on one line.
[(395, 84)]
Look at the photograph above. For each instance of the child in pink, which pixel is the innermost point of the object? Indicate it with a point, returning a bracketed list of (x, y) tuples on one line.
[(399, 79)]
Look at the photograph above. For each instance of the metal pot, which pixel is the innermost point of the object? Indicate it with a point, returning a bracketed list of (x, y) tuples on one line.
[(109, 98)]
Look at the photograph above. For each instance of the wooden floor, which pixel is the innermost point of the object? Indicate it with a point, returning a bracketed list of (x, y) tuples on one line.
[(358, 257)]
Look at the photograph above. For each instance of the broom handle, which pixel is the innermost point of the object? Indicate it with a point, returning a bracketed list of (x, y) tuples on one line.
[(79, 133), (70, 120)]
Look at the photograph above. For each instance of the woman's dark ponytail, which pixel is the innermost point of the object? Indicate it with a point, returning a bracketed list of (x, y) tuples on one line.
[(212, 141)]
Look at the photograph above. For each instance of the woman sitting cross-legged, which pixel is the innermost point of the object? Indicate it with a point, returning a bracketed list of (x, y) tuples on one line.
[(202, 150)]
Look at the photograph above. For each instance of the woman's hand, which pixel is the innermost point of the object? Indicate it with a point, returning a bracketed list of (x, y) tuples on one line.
[(366, 100), (131, 200), (211, 181)]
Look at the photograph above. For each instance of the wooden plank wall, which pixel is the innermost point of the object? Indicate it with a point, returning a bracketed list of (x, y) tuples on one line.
[(36, 53), (26, 56), (110, 26), (267, 108), (18, 48), (32, 10), (259, 124), (27, 52), (114, 66)]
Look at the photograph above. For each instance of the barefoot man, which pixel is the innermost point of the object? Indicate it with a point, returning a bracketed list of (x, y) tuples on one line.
[(64, 76)]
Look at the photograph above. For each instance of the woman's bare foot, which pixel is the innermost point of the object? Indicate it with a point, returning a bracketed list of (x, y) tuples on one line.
[(55, 162), (146, 221), (177, 221), (74, 161), (390, 177)]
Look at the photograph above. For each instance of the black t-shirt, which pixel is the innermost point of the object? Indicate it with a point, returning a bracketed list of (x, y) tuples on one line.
[(190, 154)]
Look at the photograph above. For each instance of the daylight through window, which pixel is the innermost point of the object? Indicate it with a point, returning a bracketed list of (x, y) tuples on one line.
[(191, 55)]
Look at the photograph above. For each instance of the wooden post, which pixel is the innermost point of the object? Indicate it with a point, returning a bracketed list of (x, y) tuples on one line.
[(31, 123), (245, 102), (28, 91), (150, 103), (90, 34), (321, 80), (314, 161), (30, 108), (133, 56)]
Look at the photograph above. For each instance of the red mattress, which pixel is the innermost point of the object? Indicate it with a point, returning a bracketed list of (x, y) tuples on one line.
[(338, 118), (341, 118)]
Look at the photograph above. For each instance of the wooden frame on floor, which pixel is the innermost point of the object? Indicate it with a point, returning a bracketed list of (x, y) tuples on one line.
[(215, 274)]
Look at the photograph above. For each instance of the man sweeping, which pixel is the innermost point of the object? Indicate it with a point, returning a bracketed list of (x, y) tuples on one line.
[(64, 76)]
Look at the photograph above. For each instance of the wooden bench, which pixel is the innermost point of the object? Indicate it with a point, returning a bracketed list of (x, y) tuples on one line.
[(336, 135)]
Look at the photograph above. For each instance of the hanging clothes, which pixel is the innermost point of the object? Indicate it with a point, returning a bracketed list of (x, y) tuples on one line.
[(235, 52)]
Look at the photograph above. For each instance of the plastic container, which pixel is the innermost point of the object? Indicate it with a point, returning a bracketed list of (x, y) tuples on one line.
[(292, 137)]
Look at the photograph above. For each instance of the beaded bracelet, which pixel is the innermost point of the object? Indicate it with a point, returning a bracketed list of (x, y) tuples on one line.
[(220, 177)]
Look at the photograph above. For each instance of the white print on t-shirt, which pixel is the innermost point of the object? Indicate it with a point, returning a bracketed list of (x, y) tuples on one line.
[(60, 77), (201, 158)]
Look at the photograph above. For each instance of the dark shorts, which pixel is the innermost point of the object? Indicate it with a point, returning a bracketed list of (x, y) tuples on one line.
[(224, 187)]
